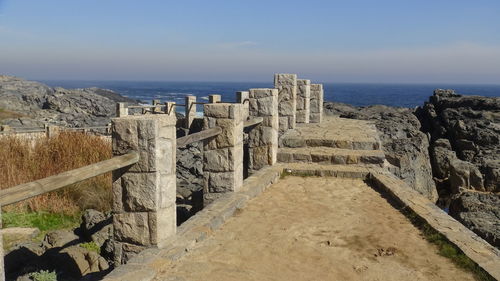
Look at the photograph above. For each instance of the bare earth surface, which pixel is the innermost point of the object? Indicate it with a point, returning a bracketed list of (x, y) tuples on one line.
[(315, 229)]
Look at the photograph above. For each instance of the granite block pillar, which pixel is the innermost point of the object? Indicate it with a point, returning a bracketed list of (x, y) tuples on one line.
[(170, 108), (121, 109), (287, 95), (223, 154), (144, 210), (316, 103), (303, 99), (214, 98), (242, 97), (190, 113), (263, 139)]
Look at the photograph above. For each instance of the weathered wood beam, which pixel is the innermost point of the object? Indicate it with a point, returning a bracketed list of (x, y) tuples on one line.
[(253, 122), (28, 190), (205, 134)]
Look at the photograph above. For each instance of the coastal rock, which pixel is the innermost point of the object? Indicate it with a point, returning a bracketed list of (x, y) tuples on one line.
[(96, 226), (405, 146), (480, 212), (36, 104)]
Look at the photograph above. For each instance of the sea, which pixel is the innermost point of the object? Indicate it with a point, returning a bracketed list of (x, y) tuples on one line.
[(357, 94)]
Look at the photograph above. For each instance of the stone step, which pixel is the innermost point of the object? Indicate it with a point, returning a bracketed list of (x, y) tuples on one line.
[(362, 144), (316, 169), (329, 155)]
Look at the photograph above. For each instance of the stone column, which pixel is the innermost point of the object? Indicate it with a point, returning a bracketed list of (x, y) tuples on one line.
[(303, 99), (121, 109), (170, 108), (190, 111), (287, 94), (156, 109), (316, 104), (263, 139), (242, 97), (52, 131), (223, 154), (214, 98), (2, 266), (144, 210)]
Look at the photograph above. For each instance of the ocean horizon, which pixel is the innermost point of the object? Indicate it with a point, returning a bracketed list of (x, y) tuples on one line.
[(357, 94)]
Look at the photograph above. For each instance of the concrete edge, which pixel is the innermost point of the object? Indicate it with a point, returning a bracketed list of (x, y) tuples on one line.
[(473, 246), (146, 265)]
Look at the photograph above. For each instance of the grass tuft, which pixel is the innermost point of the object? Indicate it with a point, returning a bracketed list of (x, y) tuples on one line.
[(91, 246), (446, 248)]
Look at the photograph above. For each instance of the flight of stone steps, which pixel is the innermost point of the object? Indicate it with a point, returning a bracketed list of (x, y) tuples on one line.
[(335, 141)]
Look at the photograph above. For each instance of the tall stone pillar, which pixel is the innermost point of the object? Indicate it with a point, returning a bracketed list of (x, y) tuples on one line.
[(170, 108), (190, 111), (156, 109), (223, 154), (144, 210), (287, 95), (121, 109), (242, 97), (316, 104), (214, 98), (263, 139), (303, 99)]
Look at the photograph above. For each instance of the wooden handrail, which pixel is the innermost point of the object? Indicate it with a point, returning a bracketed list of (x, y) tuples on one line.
[(205, 134), (253, 122), (28, 190)]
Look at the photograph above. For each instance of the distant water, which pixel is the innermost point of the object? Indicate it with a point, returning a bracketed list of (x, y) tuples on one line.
[(403, 95)]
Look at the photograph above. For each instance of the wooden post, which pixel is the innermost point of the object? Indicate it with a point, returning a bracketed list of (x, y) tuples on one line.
[(121, 109)]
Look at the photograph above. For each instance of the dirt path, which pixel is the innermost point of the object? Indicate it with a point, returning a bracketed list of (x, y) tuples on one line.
[(316, 229)]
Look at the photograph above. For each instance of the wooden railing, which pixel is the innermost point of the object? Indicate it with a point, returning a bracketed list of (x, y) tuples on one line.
[(28, 190), (205, 134)]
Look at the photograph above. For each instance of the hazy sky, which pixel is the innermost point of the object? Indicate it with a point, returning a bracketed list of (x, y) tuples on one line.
[(448, 41)]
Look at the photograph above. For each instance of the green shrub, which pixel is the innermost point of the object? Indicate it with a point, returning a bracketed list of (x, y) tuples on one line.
[(43, 275), (91, 246)]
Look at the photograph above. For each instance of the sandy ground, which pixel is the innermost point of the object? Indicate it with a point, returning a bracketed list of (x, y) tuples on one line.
[(315, 229)]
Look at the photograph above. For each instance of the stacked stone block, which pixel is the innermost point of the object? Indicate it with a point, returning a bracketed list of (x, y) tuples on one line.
[(190, 111), (263, 139), (303, 99), (242, 97), (316, 103), (223, 154), (144, 210), (214, 98), (287, 95)]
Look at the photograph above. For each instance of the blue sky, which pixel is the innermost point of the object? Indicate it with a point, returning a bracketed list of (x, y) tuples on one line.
[(448, 41)]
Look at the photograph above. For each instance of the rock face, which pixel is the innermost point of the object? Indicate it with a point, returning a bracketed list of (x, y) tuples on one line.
[(40, 104), (480, 212), (465, 149), (471, 124), (405, 146)]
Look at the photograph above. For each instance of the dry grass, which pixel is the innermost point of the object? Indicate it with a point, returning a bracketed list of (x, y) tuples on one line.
[(23, 161)]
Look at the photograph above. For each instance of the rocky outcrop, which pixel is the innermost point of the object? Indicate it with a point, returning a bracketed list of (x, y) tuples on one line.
[(471, 124), (405, 146), (480, 212), (39, 104)]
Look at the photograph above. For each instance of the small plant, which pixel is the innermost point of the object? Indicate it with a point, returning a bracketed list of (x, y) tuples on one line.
[(43, 275), (91, 246), (445, 247)]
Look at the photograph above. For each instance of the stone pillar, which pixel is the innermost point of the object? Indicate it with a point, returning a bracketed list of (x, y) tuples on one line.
[(316, 104), (121, 109), (242, 97), (303, 99), (156, 109), (223, 154), (52, 131), (287, 94), (170, 108), (190, 111), (2, 266), (144, 210), (214, 98), (263, 139)]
